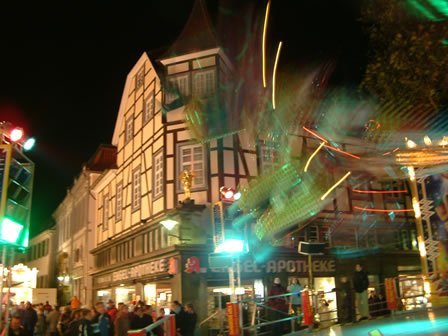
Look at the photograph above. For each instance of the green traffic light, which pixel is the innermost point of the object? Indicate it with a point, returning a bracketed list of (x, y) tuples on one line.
[(10, 230)]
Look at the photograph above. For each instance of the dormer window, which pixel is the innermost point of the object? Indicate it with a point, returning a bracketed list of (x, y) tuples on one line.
[(178, 85), (204, 83)]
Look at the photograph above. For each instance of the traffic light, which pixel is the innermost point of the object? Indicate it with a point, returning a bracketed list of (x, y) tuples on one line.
[(227, 217), (16, 187)]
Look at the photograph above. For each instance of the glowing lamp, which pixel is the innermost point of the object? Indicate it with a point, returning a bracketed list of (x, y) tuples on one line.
[(29, 144), (16, 134), (10, 230), (231, 246), (229, 193), (169, 224)]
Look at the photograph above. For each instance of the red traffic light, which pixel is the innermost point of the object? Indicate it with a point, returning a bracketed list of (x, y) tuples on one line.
[(229, 194), (16, 134)]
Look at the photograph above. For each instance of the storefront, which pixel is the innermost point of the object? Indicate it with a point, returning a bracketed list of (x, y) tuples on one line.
[(150, 281)]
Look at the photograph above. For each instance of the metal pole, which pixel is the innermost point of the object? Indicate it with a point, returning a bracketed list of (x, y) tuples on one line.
[(1, 285), (238, 281), (232, 282), (310, 272), (419, 227)]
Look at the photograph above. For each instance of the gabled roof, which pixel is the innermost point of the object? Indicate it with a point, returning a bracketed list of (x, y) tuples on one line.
[(198, 33)]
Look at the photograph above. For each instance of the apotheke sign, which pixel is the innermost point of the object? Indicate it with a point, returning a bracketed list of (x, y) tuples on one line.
[(289, 266), (152, 267)]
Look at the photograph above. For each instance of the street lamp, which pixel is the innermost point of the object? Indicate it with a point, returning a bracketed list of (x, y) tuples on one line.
[(169, 223)]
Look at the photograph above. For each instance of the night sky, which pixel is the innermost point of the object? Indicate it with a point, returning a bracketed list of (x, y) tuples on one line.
[(63, 69)]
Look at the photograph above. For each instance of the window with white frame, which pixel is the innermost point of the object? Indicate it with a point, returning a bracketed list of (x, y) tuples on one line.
[(105, 212), (119, 202), (136, 189), (177, 85), (148, 108), (158, 175), (269, 157), (192, 158), (140, 78), (204, 83), (129, 131)]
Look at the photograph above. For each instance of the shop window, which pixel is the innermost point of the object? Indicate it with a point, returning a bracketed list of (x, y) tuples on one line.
[(158, 175), (119, 202), (136, 196), (148, 108), (192, 158)]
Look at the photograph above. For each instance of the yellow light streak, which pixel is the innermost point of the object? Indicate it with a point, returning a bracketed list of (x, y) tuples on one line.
[(335, 185), (268, 7), (313, 155), (416, 206), (274, 73), (411, 173)]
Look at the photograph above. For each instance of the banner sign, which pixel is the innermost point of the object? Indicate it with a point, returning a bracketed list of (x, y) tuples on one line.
[(307, 309), (233, 318), (391, 293)]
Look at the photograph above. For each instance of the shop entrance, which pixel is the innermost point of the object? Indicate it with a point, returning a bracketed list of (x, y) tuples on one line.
[(158, 295)]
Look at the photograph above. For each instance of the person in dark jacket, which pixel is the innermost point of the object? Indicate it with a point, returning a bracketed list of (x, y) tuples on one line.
[(360, 284), (180, 316), (84, 324), (345, 298), (29, 319), (191, 319), (159, 330), (279, 307), (15, 327)]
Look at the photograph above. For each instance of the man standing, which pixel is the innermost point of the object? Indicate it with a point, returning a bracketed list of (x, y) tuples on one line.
[(360, 284), (278, 305), (295, 300)]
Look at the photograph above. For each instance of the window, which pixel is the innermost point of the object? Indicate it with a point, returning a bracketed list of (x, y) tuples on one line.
[(129, 132), (119, 201), (77, 255), (136, 189), (158, 175), (191, 158), (269, 157), (148, 109), (177, 85), (105, 212), (204, 83), (140, 78)]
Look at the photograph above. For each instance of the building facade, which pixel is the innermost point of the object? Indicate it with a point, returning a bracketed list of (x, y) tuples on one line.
[(41, 254), (75, 218), (136, 258)]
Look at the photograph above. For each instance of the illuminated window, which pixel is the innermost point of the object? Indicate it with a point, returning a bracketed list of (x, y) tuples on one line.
[(119, 202), (106, 212), (140, 78), (158, 175), (269, 158), (148, 109), (192, 159), (129, 131), (177, 85), (136, 189), (204, 83)]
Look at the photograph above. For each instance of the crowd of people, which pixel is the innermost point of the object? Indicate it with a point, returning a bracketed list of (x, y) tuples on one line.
[(99, 320)]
